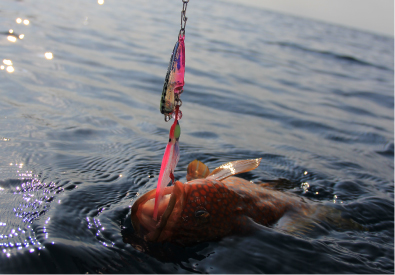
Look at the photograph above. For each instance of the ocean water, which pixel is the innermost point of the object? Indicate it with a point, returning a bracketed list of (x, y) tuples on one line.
[(81, 135)]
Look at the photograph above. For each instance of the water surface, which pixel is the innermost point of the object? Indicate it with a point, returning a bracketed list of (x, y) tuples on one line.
[(82, 136)]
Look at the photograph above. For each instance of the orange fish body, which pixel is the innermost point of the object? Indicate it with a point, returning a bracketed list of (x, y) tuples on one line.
[(214, 209), (210, 208)]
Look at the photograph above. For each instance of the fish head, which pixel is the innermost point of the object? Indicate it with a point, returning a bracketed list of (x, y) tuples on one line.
[(199, 210), (168, 210), (210, 212)]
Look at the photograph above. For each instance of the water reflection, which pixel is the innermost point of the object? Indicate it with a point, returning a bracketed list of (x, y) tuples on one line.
[(7, 62), (48, 55), (34, 197), (10, 69), (11, 38), (20, 20)]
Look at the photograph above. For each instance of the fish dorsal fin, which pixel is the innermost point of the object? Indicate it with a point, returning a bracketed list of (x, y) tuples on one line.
[(234, 168), (197, 170)]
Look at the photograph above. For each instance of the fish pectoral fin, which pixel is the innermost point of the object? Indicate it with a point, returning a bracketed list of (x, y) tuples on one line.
[(294, 224), (233, 168)]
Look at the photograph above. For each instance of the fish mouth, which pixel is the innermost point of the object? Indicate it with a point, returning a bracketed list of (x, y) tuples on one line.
[(169, 211)]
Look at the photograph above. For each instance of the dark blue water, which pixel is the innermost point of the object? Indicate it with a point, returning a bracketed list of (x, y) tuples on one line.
[(82, 135)]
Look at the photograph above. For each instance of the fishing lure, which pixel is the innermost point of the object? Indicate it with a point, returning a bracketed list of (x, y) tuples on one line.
[(170, 106), (174, 81), (169, 162)]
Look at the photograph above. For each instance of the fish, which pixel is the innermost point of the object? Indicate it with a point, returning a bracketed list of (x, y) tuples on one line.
[(213, 205), (169, 163), (174, 81)]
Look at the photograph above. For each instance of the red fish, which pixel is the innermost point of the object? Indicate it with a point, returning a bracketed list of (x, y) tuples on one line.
[(213, 205)]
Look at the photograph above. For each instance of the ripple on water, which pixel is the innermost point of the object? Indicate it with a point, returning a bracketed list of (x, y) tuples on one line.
[(314, 100)]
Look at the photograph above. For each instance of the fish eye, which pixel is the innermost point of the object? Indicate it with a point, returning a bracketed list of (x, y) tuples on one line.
[(201, 214)]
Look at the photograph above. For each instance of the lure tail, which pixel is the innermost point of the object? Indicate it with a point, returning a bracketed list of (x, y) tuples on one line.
[(164, 176), (169, 163)]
